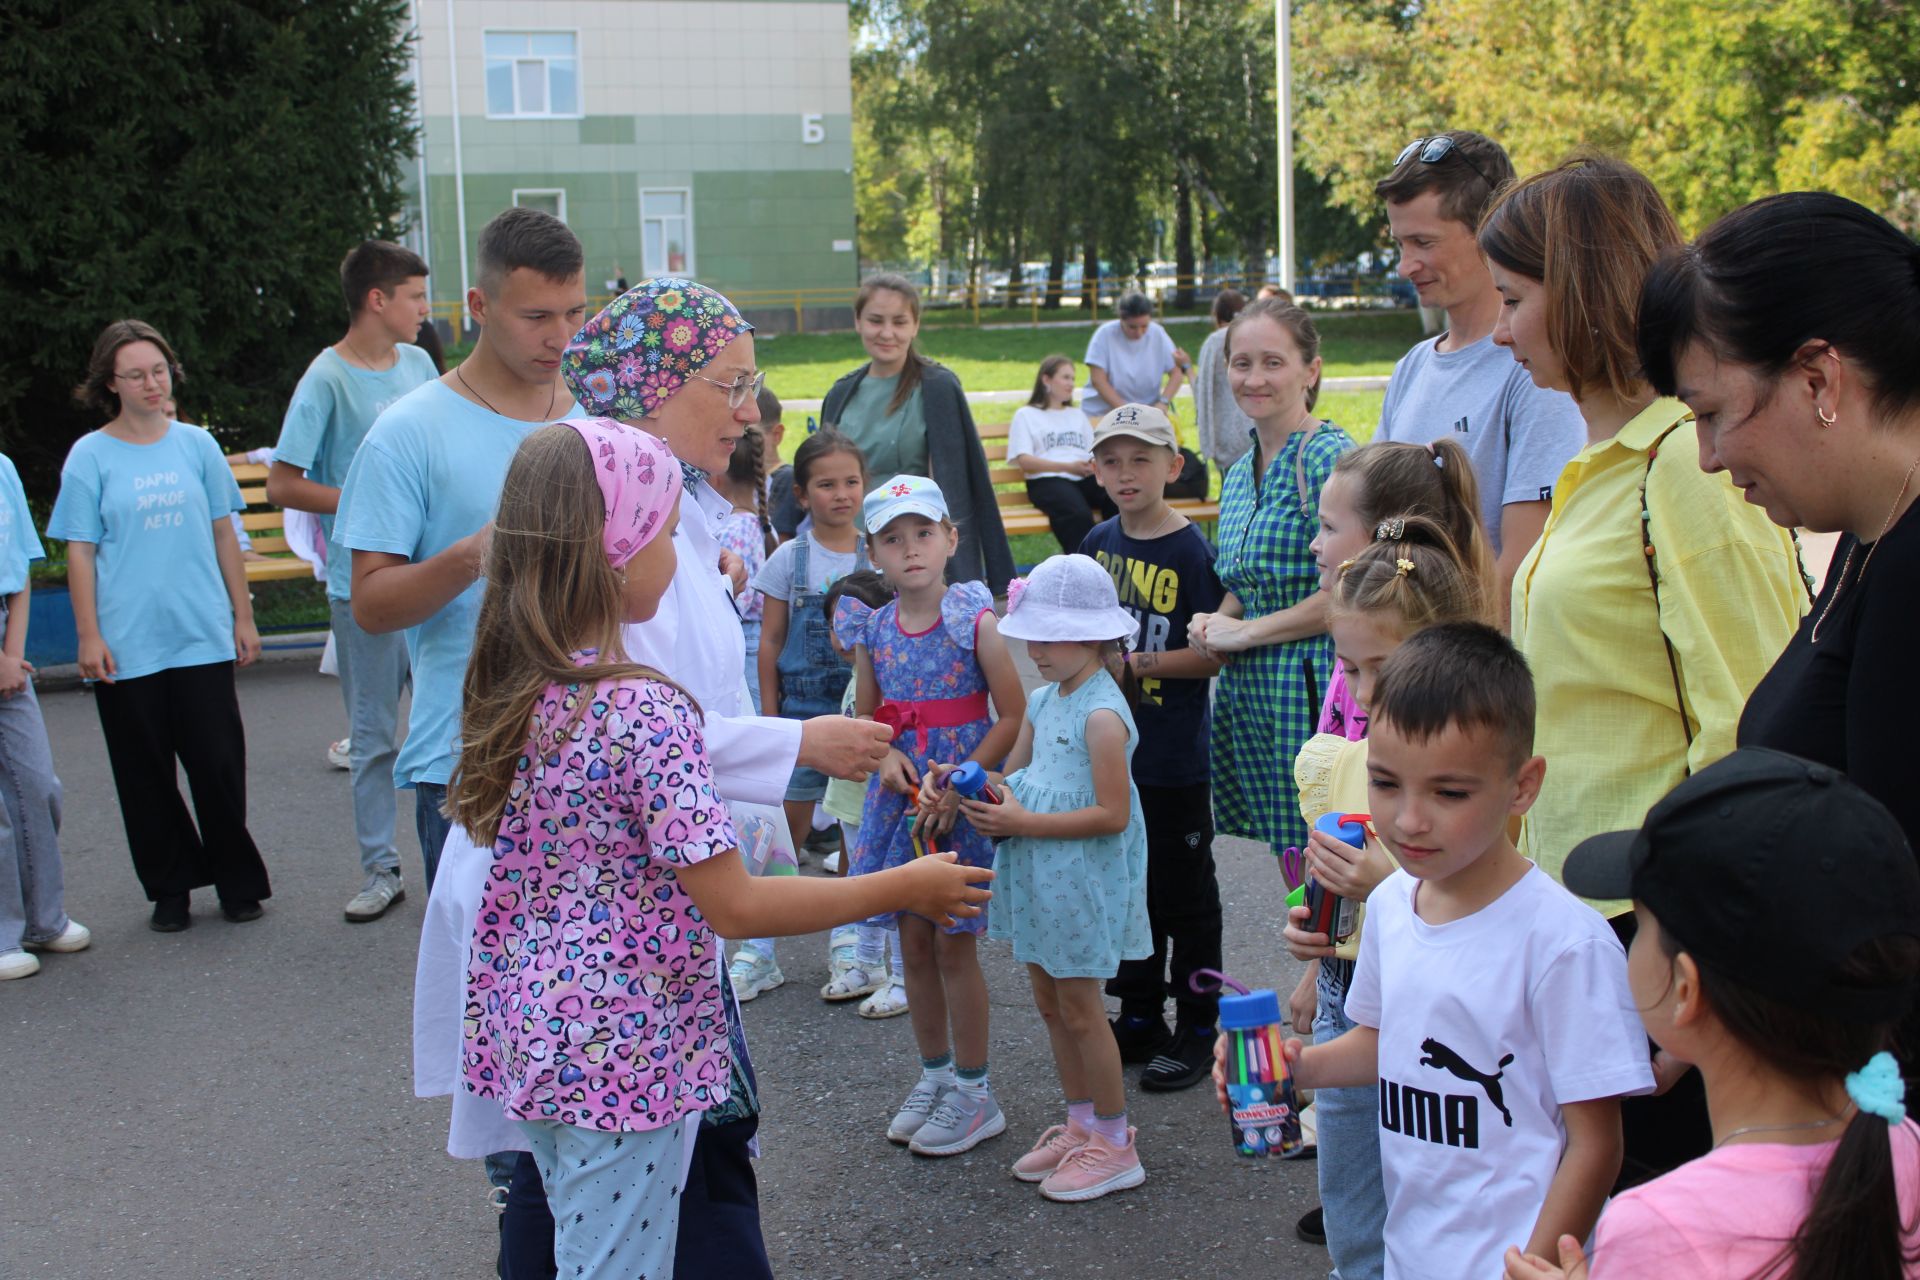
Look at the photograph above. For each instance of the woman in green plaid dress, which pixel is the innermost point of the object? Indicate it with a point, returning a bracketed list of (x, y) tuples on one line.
[(1271, 629)]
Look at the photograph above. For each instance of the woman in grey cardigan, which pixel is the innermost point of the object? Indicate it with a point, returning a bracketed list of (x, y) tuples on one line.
[(909, 416)]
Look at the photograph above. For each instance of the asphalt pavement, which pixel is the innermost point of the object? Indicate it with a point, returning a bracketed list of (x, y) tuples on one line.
[(235, 1100)]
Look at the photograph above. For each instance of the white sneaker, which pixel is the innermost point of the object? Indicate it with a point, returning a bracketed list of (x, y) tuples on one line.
[(75, 937), (340, 754), (914, 1112), (382, 890), (751, 973), (17, 964)]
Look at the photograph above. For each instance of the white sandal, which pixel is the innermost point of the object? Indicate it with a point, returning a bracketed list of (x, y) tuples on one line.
[(889, 1001), (853, 982)]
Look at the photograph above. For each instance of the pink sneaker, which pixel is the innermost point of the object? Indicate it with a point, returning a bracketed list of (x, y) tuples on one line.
[(1055, 1145), (1094, 1169)]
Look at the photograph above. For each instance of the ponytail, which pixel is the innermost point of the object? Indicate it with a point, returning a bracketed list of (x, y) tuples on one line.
[(1434, 482), (915, 367), (1853, 1230)]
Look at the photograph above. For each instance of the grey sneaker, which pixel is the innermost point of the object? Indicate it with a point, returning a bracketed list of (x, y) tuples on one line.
[(382, 891), (914, 1111), (959, 1123)]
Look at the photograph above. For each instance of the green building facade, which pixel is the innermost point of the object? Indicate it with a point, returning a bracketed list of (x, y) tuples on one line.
[(707, 138)]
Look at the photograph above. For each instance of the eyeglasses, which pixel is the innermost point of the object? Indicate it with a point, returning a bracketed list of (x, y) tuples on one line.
[(740, 389), (141, 377), (1434, 150)]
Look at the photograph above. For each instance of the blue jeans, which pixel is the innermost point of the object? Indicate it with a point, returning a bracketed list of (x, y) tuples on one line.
[(431, 825), (751, 630), (373, 674), (1352, 1194), (31, 899)]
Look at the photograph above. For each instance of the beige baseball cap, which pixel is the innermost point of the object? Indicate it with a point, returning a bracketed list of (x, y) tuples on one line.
[(1141, 422)]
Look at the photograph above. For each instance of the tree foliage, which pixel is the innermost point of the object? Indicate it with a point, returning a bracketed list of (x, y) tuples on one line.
[(1719, 101), (199, 164)]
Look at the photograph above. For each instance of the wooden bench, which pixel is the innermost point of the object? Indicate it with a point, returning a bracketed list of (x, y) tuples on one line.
[(1020, 516), (262, 521)]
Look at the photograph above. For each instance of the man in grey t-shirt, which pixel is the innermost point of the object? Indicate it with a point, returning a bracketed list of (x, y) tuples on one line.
[(1459, 385)]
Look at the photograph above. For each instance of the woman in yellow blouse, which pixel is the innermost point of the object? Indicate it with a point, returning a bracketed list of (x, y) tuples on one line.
[(1655, 598)]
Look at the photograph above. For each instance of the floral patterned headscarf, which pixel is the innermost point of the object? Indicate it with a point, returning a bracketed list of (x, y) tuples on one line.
[(632, 357)]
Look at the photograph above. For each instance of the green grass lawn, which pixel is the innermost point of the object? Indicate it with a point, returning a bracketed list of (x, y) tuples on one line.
[(802, 366)]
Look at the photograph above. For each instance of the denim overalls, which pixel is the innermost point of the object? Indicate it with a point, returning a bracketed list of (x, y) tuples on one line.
[(812, 676)]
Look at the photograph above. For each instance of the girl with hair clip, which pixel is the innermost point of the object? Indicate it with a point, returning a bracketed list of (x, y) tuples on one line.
[(747, 531), (1815, 1168), (587, 775), (1270, 631), (909, 416), (1412, 576), (1382, 479), (1655, 598)]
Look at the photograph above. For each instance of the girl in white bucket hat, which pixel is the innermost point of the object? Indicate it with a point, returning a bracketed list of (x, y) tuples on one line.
[(1072, 886)]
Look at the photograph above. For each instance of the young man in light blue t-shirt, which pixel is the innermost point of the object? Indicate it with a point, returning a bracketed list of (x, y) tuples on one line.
[(343, 391), (1460, 386), (420, 494)]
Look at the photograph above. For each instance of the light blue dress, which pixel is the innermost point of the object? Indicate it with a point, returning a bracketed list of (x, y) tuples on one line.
[(1076, 908)]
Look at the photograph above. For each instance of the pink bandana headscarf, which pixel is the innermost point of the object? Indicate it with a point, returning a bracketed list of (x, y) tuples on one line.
[(639, 480)]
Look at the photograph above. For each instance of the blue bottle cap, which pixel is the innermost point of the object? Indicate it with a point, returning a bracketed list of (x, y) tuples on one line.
[(1255, 1009), (968, 779), (1353, 833)]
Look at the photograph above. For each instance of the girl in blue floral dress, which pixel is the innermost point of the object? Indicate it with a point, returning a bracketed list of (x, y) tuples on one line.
[(928, 663)]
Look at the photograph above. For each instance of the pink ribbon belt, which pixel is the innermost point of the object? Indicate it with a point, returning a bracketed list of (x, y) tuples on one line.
[(933, 713)]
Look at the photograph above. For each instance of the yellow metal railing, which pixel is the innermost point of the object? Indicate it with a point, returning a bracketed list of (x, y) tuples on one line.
[(1032, 294)]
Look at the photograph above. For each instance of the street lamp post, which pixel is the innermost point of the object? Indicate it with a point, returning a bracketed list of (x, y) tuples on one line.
[(1283, 96)]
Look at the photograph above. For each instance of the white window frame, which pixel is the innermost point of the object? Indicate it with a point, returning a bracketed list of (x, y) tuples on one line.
[(687, 193), (561, 192), (579, 63)]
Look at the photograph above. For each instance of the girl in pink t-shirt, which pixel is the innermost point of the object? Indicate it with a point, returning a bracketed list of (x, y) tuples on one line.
[(1777, 948), (593, 1005)]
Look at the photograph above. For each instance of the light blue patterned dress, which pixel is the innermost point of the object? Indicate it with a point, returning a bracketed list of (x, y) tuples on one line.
[(1076, 908)]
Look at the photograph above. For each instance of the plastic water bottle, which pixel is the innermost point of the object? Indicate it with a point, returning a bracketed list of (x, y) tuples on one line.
[(1327, 911), (1266, 1118), (970, 780)]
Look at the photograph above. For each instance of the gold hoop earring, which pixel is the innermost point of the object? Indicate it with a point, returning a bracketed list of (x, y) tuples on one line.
[(1826, 419)]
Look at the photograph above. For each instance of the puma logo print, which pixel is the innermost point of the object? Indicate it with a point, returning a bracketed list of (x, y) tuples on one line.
[(1441, 1058)]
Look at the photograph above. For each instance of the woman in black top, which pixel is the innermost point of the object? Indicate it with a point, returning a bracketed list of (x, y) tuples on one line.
[(1792, 329)]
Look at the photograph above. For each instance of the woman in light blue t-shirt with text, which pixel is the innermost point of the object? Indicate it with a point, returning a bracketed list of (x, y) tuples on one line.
[(161, 605)]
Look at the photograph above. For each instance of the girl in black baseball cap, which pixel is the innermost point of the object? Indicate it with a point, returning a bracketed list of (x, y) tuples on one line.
[(1778, 949)]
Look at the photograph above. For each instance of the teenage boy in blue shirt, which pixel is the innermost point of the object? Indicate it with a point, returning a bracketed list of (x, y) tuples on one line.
[(420, 495), (347, 387), (1163, 569)]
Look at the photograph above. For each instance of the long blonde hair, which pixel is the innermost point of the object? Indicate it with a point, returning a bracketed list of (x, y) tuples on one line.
[(550, 593)]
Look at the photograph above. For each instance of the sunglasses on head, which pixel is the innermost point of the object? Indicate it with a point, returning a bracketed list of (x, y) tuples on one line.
[(1434, 150)]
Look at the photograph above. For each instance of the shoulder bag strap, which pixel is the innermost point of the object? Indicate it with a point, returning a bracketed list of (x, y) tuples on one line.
[(1653, 577)]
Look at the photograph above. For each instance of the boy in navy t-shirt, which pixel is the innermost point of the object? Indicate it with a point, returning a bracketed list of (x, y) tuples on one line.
[(1163, 569)]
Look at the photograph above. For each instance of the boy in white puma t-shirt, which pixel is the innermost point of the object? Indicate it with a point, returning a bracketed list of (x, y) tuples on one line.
[(1490, 1004)]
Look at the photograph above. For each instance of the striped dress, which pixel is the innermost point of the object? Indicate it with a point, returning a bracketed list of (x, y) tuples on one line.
[(1267, 699)]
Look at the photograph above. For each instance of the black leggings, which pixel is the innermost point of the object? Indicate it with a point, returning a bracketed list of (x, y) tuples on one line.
[(1072, 507)]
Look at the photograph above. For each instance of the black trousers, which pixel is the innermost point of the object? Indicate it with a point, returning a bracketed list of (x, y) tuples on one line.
[(1072, 507), (189, 714), (1183, 908), (719, 1233), (1661, 1133)]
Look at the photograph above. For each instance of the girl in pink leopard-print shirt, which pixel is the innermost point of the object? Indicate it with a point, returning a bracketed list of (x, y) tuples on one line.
[(593, 1011)]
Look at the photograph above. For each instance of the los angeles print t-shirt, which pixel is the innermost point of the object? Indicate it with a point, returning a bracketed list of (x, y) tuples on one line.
[(149, 509), (1488, 1026)]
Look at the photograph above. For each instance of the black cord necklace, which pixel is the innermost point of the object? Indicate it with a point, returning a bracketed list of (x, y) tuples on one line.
[(552, 394)]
